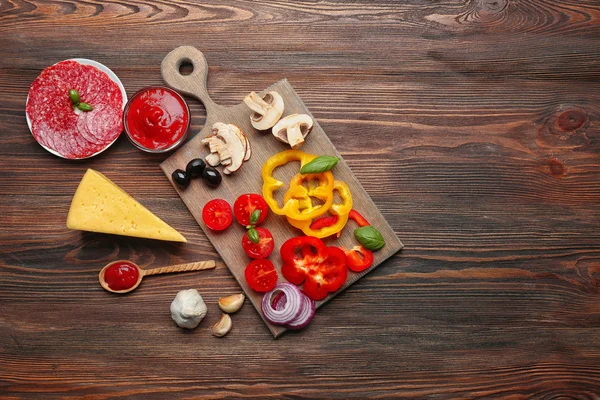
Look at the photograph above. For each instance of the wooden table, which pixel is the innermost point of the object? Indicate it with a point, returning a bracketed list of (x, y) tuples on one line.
[(472, 124)]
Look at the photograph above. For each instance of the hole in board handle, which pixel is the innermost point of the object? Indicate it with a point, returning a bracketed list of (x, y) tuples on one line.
[(186, 67)]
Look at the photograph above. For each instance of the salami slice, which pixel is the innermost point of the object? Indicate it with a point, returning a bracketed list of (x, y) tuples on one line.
[(101, 121), (58, 125), (82, 128), (45, 138)]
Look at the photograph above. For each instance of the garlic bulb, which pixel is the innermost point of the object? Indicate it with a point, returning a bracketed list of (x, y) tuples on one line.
[(188, 308)]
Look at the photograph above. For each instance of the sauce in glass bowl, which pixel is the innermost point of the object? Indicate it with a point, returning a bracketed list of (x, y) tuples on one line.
[(156, 119)]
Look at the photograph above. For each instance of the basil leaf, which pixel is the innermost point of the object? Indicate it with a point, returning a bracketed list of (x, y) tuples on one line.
[(254, 217), (253, 235), (74, 95), (369, 237), (85, 107), (319, 164)]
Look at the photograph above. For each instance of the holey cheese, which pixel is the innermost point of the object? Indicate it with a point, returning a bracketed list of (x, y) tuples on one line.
[(99, 205)]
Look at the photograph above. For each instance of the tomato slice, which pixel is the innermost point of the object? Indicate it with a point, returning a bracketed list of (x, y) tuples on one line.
[(261, 275), (263, 248), (245, 205), (217, 214)]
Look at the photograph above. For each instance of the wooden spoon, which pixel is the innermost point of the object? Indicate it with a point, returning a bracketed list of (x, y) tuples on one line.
[(197, 266)]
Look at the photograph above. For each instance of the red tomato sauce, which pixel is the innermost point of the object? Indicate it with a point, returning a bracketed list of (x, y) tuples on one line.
[(121, 275), (156, 118)]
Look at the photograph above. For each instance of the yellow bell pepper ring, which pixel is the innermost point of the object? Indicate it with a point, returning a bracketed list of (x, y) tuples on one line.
[(342, 210), (298, 205), (302, 197)]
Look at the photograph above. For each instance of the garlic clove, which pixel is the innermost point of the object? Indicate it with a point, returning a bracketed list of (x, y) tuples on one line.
[(231, 304), (223, 326)]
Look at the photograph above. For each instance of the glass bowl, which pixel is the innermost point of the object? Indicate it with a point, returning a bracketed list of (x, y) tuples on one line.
[(174, 145)]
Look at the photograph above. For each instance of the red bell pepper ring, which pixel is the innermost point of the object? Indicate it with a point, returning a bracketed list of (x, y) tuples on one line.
[(331, 220), (307, 259), (359, 258), (324, 222), (359, 219)]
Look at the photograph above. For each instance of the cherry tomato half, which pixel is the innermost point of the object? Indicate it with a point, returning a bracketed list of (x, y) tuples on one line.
[(245, 205), (263, 248), (261, 275), (217, 215)]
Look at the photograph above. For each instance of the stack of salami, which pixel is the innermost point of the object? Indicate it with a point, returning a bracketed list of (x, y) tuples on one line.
[(59, 126)]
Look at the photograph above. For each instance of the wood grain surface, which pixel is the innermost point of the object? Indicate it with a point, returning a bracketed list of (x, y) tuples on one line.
[(473, 125), (248, 178)]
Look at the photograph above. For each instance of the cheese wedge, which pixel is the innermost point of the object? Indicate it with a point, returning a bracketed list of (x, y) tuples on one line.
[(99, 205)]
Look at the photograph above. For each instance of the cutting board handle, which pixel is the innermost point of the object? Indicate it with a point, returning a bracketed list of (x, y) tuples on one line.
[(193, 84)]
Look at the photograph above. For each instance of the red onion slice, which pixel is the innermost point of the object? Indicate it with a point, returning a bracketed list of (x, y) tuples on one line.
[(290, 309), (278, 301), (305, 316)]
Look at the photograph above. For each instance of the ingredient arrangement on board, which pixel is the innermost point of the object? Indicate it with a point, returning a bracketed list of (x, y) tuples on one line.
[(262, 179)]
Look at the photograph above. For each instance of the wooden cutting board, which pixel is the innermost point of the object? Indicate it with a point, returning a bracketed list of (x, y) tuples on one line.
[(248, 178)]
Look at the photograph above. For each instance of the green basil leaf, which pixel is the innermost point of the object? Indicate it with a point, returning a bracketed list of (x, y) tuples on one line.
[(85, 107), (253, 235), (369, 237), (319, 164), (254, 217), (74, 95)]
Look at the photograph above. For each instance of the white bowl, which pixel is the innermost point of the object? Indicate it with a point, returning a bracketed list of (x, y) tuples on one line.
[(113, 77)]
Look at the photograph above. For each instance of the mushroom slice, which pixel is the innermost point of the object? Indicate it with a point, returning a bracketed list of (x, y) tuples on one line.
[(248, 150), (213, 159), (233, 156), (228, 146), (248, 147), (240, 133), (267, 110), (216, 147), (242, 137), (293, 129)]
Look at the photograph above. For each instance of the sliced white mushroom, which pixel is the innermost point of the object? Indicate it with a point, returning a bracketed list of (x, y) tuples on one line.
[(233, 156), (247, 142), (267, 110), (228, 146), (293, 129), (214, 144), (248, 150), (213, 159), (216, 147), (240, 134)]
